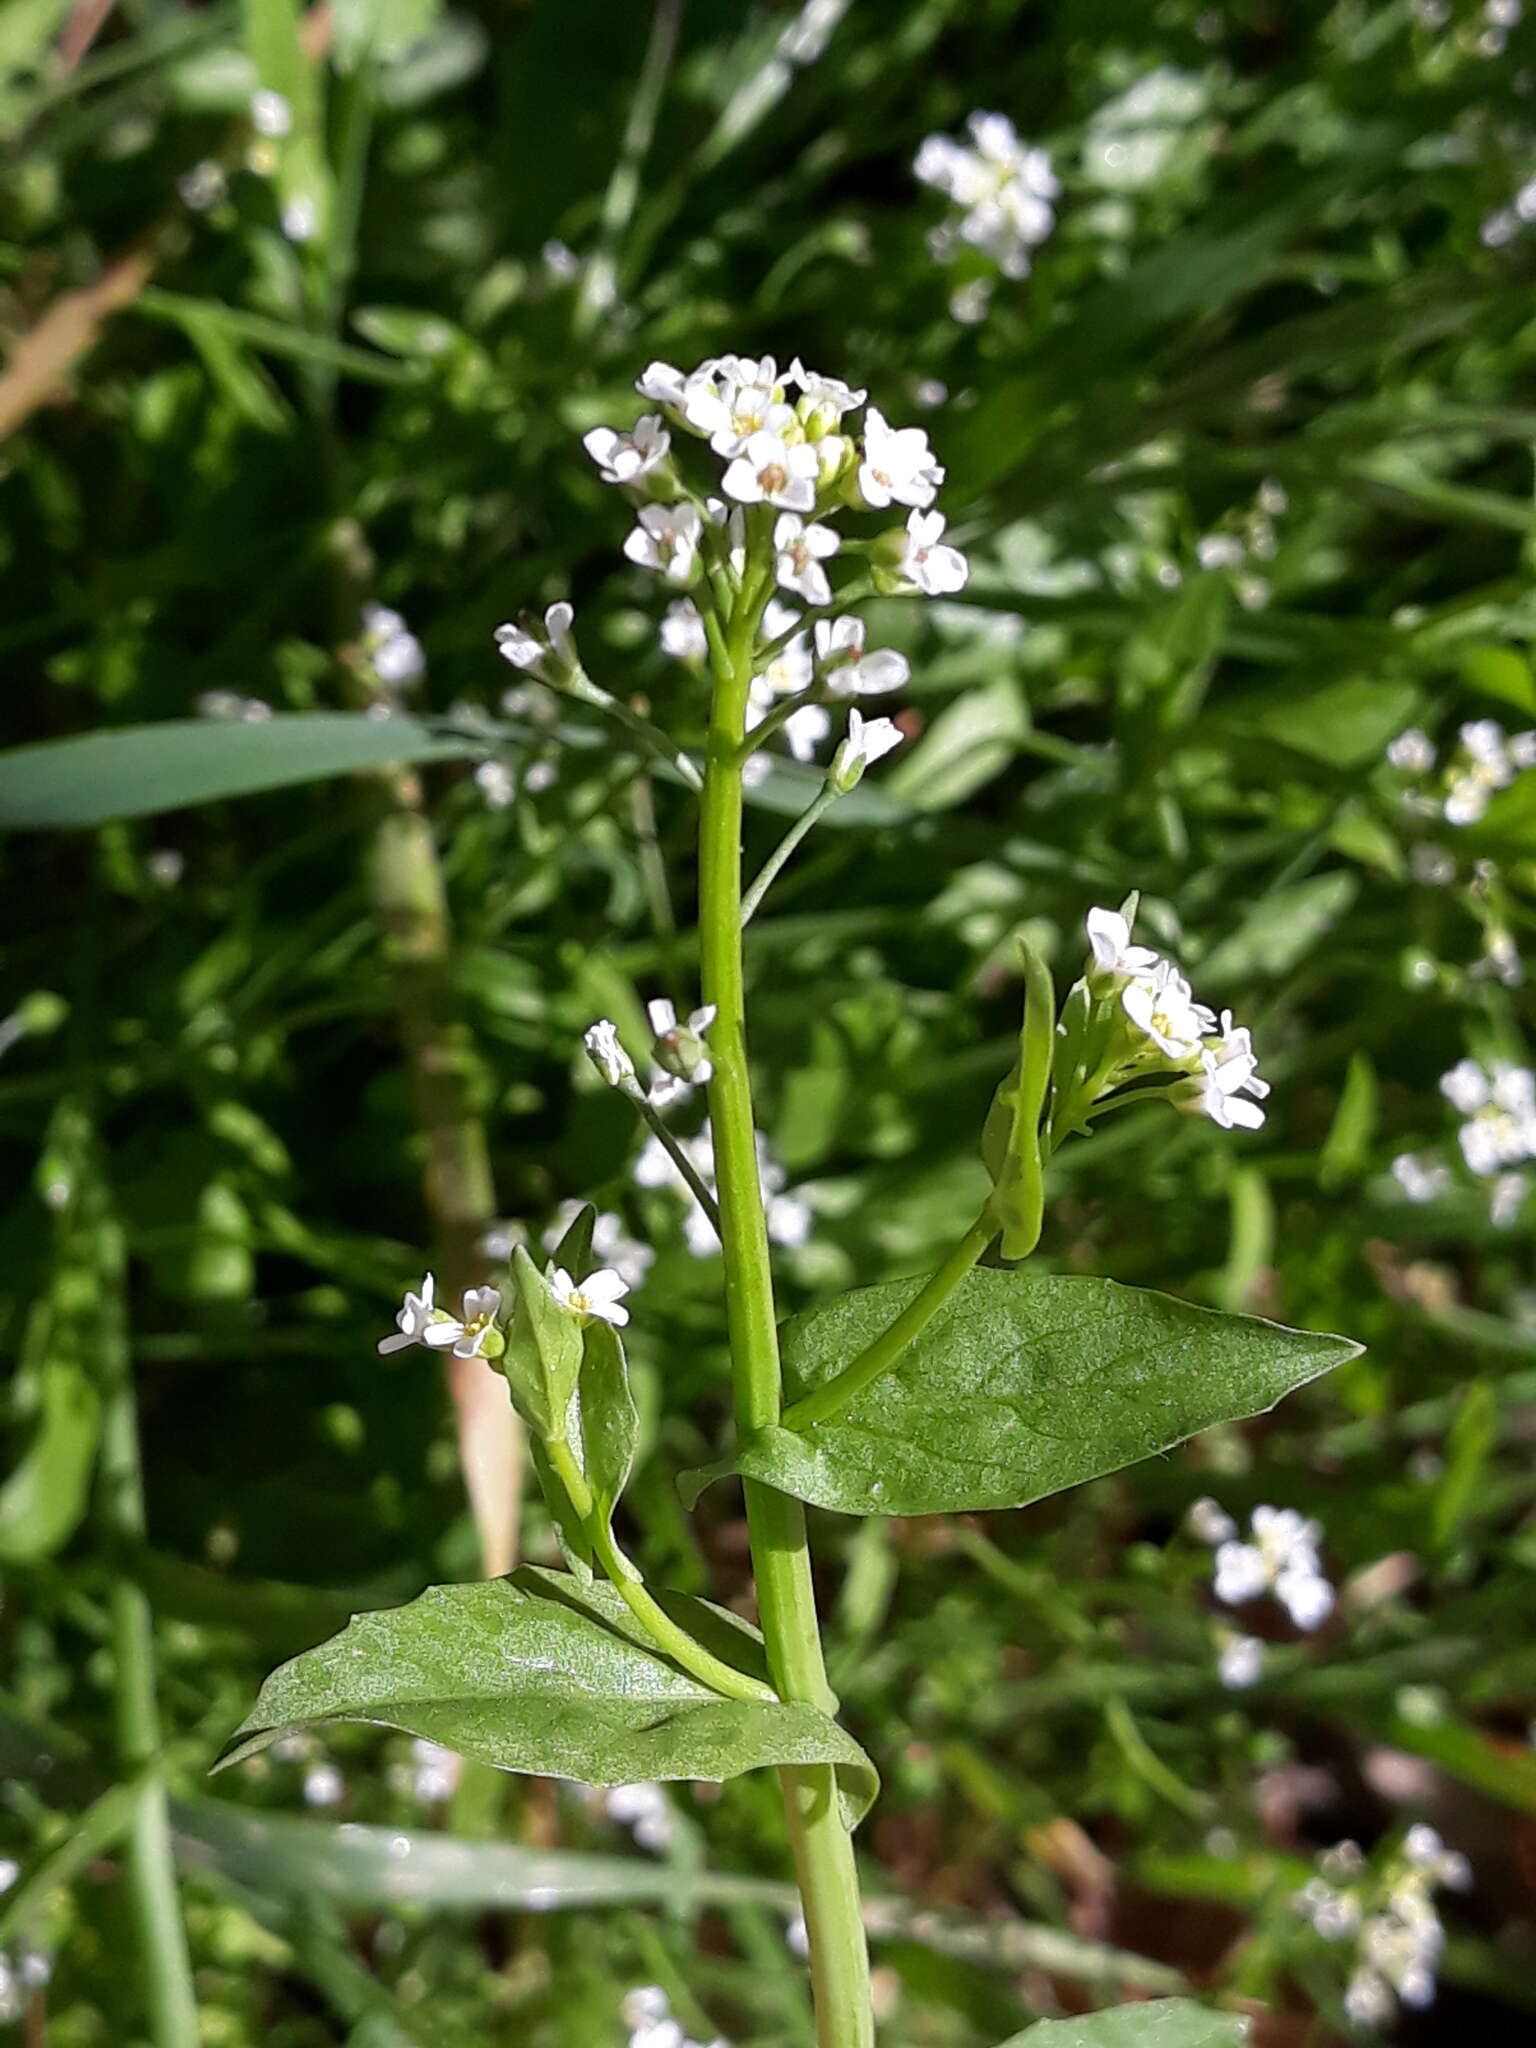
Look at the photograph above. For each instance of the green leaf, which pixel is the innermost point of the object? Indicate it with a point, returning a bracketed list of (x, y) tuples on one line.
[(1280, 931), (609, 1421), (1160, 2023), (970, 741), (542, 1360), (540, 1673), (133, 771), (1020, 1386)]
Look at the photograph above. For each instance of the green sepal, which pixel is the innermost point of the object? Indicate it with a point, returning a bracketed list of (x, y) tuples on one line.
[(1011, 1137), (542, 1361)]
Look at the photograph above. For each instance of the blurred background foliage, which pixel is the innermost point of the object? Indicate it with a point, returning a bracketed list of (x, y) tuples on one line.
[(1244, 469)]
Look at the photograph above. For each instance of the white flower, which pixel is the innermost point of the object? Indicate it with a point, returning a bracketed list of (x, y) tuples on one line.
[(679, 1048), (898, 465), (805, 729), (1109, 941), (661, 384), (1465, 1087), (551, 658), (271, 114), (1412, 752), (928, 561), (600, 1295), (682, 631), (624, 458), (1241, 1662), (647, 1812), (1240, 1573), (868, 740), (845, 667), (666, 540), (471, 1337), (496, 783), (769, 471), (1162, 1005), (324, 1785), (823, 397), (1228, 1075), (300, 218), (414, 1318), (799, 551), (391, 647), (1368, 2000), (1522, 749), (437, 1771), (607, 1054), (1420, 1180), (1280, 1557), (1209, 1520), (1002, 189)]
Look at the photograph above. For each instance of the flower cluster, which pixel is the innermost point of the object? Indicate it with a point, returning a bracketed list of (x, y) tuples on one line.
[(1166, 1028), (647, 2013), (1390, 1916), (1485, 760), (1280, 1557), (1000, 188), (392, 651), (473, 1334), (1498, 1103)]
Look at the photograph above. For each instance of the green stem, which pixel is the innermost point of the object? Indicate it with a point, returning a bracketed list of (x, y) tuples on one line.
[(887, 1348), (583, 690), (674, 1641), (169, 1999), (823, 1848), (703, 1194), (599, 287), (822, 802)]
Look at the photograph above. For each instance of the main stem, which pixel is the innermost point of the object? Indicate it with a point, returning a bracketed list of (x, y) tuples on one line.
[(169, 1999), (823, 1847)]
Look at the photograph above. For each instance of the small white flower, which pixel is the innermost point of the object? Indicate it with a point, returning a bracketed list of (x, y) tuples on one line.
[(1209, 1520), (482, 1305), (414, 1319), (552, 657), (271, 114), (1162, 1005), (647, 1812), (805, 729), (661, 384), (682, 631), (300, 218), (928, 561), (1241, 1662), (1109, 941), (1219, 551), (497, 784), (601, 1295), (393, 650), (823, 397), (845, 667), (1305, 1595), (1412, 752), (1522, 749), (1368, 2000), (324, 1785), (770, 471), (1420, 1180), (1465, 1087), (624, 458), (666, 540), (868, 741), (898, 465), (607, 1054), (1228, 1076), (1240, 1573), (799, 551)]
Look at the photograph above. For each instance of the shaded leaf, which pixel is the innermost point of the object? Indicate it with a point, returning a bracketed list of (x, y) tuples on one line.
[(542, 1673), (1020, 1386), (1161, 2023), (136, 770)]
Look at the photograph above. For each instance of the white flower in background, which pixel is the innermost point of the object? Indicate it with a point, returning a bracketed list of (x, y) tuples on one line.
[(1486, 769), (601, 1295), (1132, 139), (1280, 1557), (805, 729), (898, 465), (611, 1242), (679, 1049), (1390, 1914), (1412, 752), (203, 187), (300, 218), (625, 458), (666, 540), (647, 1812), (414, 1318), (799, 551), (392, 649), (606, 1052), (1219, 551), (682, 632), (1209, 1520), (1161, 1004), (1506, 1198), (497, 784), (552, 656), (1241, 1661), (789, 1218), (1001, 189), (1109, 942), (868, 741), (1499, 1105), (1420, 1180), (928, 561), (847, 670), (788, 670), (437, 1772), (324, 1785), (1522, 749), (271, 114), (770, 471)]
